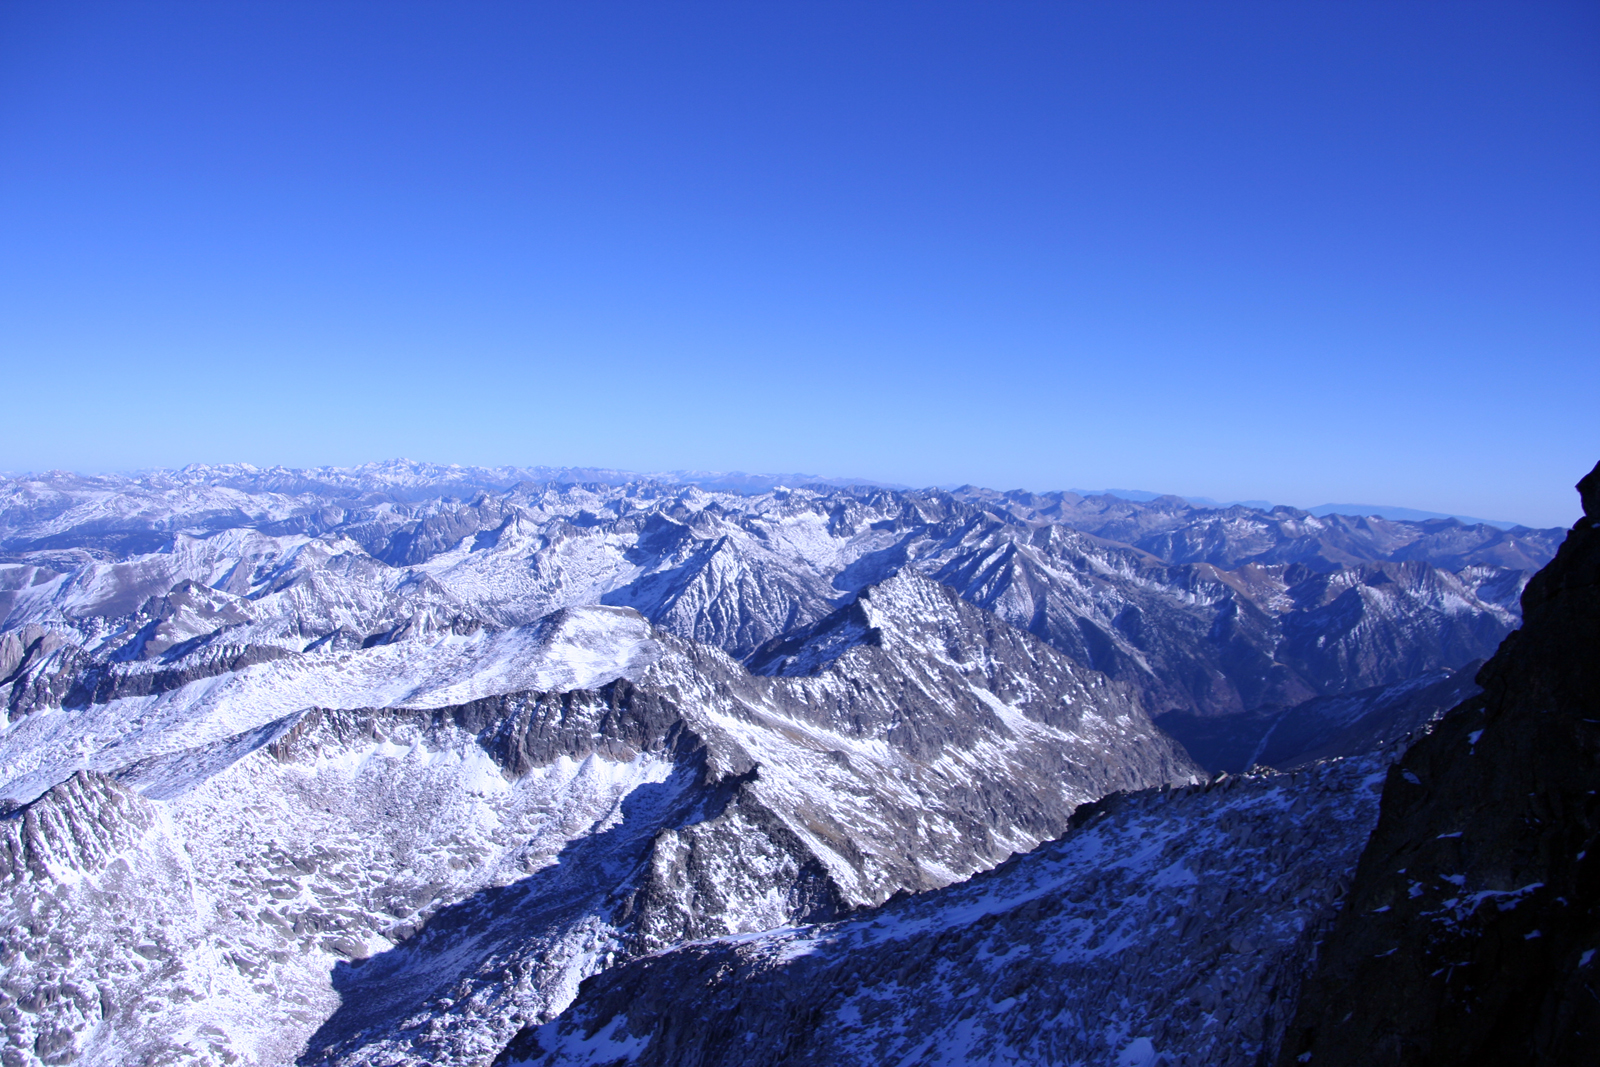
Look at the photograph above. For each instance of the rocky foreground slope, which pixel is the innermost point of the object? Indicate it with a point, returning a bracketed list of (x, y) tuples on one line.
[(1173, 927)]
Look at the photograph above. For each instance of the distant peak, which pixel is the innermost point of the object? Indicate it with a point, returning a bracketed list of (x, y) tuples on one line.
[(1397, 514)]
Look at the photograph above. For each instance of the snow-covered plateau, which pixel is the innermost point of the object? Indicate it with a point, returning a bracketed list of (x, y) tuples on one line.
[(376, 766)]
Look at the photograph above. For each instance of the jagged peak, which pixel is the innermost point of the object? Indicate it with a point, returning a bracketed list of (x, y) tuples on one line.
[(1589, 494)]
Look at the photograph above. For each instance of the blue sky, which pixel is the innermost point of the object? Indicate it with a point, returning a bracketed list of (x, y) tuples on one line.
[(1294, 251)]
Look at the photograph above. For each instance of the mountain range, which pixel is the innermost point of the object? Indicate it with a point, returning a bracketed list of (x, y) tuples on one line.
[(379, 765)]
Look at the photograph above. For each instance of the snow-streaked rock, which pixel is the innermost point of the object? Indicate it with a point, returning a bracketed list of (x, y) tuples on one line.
[(286, 561), (401, 853), (156, 710), (1170, 927), (376, 765)]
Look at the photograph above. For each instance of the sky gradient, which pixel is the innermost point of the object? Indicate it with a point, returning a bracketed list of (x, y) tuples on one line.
[(1291, 251)]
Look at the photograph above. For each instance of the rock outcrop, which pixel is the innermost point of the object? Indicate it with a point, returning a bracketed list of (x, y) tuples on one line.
[(1472, 931), (373, 766)]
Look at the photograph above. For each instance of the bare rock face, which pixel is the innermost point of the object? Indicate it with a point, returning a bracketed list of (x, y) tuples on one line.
[(1472, 933), (38, 668), (80, 941), (1170, 927), (902, 764)]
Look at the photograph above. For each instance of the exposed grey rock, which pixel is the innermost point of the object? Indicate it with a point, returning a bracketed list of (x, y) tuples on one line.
[(324, 558), (1170, 927), (85, 950), (818, 794), (374, 766), (1232, 536)]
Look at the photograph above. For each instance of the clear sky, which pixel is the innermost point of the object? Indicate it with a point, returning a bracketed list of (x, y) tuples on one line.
[(1304, 252)]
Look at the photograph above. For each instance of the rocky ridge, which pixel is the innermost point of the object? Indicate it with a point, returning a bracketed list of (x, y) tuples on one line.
[(1230, 536), (1469, 934), (1170, 927), (374, 766)]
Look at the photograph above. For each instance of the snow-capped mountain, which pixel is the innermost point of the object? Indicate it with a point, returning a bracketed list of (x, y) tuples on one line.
[(1228, 536), (346, 560), (1211, 925), (538, 801), (376, 765)]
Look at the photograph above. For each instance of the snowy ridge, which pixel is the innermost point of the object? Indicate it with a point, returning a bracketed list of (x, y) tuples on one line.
[(576, 649), (1229, 535), (1173, 927), (225, 936)]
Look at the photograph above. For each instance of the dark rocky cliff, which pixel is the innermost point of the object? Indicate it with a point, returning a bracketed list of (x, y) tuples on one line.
[(1472, 931)]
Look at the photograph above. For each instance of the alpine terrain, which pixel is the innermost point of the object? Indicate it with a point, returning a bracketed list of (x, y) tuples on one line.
[(410, 764)]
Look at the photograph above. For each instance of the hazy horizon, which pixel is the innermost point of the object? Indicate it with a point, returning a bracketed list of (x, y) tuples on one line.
[(1135, 493)]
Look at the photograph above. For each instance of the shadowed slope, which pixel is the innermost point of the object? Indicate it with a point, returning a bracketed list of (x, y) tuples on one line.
[(1472, 932)]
